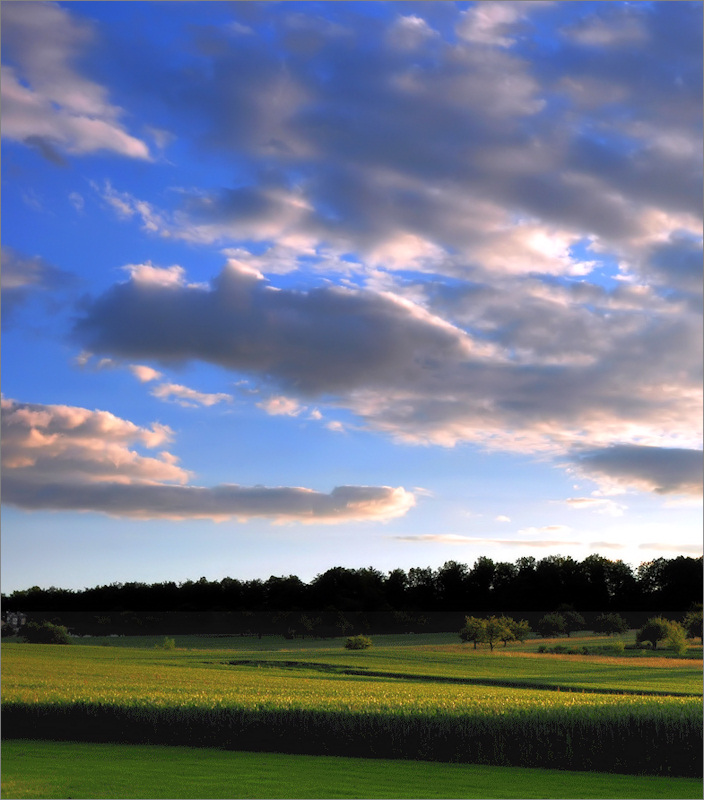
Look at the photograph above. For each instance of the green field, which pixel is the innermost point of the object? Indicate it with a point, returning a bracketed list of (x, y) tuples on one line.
[(421, 699), (32, 769)]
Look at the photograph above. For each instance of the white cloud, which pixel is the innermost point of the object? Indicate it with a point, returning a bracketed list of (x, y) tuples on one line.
[(601, 505), (46, 102), (143, 373), (189, 398), (502, 518), (279, 405), (72, 459)]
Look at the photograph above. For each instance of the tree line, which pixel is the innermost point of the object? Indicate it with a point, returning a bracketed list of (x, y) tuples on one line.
[(594, 584)]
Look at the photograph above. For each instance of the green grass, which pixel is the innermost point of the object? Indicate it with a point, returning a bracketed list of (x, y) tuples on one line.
[(32, 769), (434, 701)]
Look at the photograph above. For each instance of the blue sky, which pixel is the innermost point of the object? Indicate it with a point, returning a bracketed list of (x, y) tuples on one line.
[(289, 286)]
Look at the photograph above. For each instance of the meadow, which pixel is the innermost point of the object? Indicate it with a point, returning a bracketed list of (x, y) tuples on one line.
[(416, 698)]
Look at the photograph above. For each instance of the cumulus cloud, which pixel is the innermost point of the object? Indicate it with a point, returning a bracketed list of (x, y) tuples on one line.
[(73, 459), (517, 378), (46, 103)]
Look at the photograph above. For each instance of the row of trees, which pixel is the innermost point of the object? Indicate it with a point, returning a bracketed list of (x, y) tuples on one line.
[(494, 629), (594, 584)]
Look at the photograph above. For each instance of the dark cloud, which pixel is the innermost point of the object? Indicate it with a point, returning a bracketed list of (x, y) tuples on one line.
[(23, 276), (519, 379), (660, 469)]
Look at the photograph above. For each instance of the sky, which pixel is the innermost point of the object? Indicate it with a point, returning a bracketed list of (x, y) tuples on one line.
[(288, 286)]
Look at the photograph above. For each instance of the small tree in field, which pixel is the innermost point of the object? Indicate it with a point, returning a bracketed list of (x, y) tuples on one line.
[(692, 623), (610, 623), (507, 634), (574, 621), (473, 630), (495, 629), (551, 625), (520, 629), (655, 630)]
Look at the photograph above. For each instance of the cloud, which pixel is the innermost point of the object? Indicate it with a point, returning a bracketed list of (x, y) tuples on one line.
[(24, 276), (64, 458), (189, 398), (451, 538), (695, 549), (544, 529), (283, 406), (601, 505), (143, 373), (46, 103), (502, 518), (655, 469), (539, 375)]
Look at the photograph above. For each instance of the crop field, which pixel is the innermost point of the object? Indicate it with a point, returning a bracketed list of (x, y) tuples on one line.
[(437, 702)]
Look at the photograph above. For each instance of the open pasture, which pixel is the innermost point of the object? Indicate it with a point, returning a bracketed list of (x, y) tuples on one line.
[(34, 769), (405, 702)]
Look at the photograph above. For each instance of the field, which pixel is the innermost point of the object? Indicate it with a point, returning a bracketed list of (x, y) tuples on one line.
[(421, 698)]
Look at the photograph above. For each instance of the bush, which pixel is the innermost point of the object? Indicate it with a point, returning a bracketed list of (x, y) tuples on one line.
[(166, 644), (616, 647), (676, 639), (358, 643), (46, 633)]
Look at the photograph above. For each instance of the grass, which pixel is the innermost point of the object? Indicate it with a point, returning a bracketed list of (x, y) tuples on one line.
[(32, 769), (438, 700)]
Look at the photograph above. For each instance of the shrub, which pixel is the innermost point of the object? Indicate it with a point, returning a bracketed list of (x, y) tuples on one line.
[(46, 633), (676, 639), (166, 644), (358, 643), (616, 647)]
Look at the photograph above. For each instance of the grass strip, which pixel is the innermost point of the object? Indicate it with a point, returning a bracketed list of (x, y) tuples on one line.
[(641, 740), (407, 676)]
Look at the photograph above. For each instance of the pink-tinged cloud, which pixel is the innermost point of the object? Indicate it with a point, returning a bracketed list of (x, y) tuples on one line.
[(46, 102), (63, 458)]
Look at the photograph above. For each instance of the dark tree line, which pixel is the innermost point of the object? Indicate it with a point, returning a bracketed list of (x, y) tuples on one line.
[(595, 584)]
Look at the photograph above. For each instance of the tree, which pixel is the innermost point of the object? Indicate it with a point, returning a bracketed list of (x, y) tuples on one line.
[(507, 634), (692, 622), (473, 630), (574, 621), (655, 630), (610, 623), (551, 625), (496, 629), (46, 633), (520, 629)]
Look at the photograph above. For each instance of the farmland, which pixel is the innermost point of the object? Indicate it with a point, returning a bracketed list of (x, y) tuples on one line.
[(422, 699)]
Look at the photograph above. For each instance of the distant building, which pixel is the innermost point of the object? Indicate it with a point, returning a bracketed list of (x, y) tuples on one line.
[(15, 619)]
